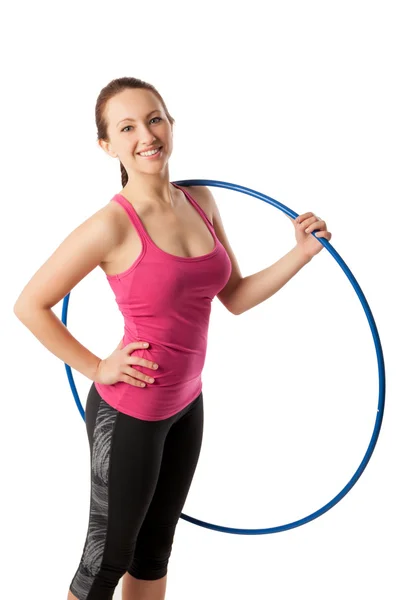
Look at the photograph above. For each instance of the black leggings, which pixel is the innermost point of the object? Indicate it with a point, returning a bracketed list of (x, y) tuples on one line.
[(141, 472)]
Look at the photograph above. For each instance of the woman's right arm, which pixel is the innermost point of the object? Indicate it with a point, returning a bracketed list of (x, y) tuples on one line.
[(83, 250)]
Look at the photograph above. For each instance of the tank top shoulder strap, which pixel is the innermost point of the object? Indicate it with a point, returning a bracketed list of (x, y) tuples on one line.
[(131, 214), (194, 203)]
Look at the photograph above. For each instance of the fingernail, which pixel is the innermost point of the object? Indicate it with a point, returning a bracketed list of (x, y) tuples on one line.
[(145, 344)]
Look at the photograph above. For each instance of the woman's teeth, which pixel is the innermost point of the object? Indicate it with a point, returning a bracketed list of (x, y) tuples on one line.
[(150, 153)]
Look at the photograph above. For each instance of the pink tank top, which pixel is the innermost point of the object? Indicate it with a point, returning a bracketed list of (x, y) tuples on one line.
[(166, 300)]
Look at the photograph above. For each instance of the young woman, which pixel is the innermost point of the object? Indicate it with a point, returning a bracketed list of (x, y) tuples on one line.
[(165, 255)]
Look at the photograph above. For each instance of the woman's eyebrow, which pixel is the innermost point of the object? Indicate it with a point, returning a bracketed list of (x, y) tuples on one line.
[(130, 118)]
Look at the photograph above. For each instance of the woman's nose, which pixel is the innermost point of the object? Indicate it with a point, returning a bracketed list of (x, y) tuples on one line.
[(146, 135)]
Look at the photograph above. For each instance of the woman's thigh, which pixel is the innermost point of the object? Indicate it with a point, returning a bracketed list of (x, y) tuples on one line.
[(179, 460)]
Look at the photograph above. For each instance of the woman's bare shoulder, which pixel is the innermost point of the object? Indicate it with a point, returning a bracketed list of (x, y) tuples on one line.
[(116, 222), (202, 196)]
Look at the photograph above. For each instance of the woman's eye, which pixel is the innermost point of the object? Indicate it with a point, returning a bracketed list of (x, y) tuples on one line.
[(159, 118)]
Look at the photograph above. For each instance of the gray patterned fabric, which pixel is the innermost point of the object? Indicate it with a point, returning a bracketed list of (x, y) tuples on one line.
[(95, 542)]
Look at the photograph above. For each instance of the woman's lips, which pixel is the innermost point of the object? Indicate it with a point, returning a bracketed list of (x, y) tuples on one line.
[(156, 155)]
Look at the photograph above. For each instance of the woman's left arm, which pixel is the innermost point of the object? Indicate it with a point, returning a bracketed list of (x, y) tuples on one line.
[(242, 293)]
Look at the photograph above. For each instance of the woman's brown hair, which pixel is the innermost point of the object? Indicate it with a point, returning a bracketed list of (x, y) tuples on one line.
[(109, 91)]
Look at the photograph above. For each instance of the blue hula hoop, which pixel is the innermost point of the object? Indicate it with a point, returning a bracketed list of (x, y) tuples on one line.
[(379, 354)]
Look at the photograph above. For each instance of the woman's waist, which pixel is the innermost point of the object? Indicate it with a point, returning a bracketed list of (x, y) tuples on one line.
[(173, 361), (189, 341), (180, 334)]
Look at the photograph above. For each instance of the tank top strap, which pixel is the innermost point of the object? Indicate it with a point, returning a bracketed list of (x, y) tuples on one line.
[(132, 214), (195, 204)]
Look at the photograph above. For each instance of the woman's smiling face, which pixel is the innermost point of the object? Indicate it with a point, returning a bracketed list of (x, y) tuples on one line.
[(136, 122)]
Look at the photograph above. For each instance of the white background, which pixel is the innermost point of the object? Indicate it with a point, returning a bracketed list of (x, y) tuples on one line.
[(298, 100)]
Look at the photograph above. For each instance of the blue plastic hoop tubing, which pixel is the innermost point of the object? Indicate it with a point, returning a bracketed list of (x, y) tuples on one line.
[(379, 354)]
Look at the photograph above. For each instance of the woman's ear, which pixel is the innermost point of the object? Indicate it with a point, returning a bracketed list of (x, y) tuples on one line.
[(106, 146)]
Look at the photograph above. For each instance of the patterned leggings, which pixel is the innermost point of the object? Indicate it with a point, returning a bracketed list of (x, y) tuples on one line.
[(141, 472)]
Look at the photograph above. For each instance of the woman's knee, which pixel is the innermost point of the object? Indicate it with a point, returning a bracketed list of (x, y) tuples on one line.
[(152, 552)]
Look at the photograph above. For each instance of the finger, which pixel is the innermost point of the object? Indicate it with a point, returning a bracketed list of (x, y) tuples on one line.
[(308, 222), (138, 360), (133, 345), (306, 215), (316, 225), (289, 217), (132, 381), (138, 375), (324, 234)]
